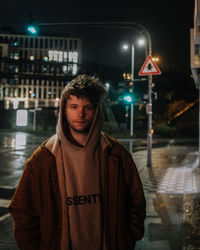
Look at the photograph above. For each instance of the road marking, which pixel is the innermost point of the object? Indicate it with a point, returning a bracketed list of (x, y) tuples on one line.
[(5, 216), (4, 203)]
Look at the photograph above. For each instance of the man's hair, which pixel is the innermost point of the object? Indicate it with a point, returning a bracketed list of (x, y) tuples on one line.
[(85, 86)]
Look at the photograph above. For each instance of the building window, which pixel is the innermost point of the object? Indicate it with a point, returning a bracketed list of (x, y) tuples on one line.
[(31, 42), (26, 42), (34, 93), (41, 43), (56, 43), (65, 45), (49, 93), (60, 56), (54, 93), (25, 54), (73, 57), (75, 69), (21, 42), (36, 43), (29, 92), (45, 93), (75, 44), (40, 93), (19, 92), (65, 56), (59, 92), (61, 44), (51, 44), (46, 43), (70, 44)]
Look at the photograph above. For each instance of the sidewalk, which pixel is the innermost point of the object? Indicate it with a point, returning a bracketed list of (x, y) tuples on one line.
[(171, 189)]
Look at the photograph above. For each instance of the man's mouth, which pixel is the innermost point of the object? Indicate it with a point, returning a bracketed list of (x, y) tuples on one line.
[(80, 121)]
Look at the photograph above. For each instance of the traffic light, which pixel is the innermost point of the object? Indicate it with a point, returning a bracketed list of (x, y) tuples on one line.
[(128, 98), (32, 29)]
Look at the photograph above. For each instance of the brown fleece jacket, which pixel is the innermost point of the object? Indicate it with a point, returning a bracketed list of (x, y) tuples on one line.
[(36, 204)]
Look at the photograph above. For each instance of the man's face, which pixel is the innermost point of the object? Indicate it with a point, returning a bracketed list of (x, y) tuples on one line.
[(79, 114)]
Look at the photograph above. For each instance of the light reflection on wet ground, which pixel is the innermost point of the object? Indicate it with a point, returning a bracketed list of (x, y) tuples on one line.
[(15, 148), (173, 200)]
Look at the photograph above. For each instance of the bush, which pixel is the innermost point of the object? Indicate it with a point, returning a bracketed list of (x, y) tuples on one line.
[(164, 130)]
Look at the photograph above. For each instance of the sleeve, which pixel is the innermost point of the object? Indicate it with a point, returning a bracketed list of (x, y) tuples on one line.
[(26, 219), (137, 202)]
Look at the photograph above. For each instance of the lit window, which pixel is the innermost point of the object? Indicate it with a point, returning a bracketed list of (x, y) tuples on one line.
[(64, 68), (55, 55), (73, 57), (50, 55), (65, 56), (46, 59), (75, 69), (31, 58), (60, 56)]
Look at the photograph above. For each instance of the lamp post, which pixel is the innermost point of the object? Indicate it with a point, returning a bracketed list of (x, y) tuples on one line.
[(132, 88), (125, 46), (132, 80)]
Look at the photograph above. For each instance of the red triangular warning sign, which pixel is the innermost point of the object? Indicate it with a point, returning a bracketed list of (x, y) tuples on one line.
[(149, 68)]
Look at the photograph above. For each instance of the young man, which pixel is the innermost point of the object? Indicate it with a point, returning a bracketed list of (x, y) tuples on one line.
[(80, 189)]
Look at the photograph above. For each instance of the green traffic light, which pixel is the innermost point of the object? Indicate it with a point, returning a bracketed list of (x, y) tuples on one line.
[(128, 98), (32, 30)]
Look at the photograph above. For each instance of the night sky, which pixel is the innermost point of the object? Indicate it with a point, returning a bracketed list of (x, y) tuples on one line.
[(168, 23)]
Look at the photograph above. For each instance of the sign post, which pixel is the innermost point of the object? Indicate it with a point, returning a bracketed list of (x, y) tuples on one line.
[(149, 68)]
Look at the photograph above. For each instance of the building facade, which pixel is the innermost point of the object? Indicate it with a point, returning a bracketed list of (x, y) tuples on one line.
[(195, 45), (35, 69)]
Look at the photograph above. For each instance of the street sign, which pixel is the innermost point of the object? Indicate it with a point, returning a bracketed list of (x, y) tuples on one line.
[(149, 68)]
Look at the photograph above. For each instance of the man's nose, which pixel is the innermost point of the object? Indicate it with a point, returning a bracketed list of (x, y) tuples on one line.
[(81, 112)]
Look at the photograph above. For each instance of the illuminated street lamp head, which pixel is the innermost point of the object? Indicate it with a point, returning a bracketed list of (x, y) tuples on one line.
[(125, 46), (141, 42), (32, 30)]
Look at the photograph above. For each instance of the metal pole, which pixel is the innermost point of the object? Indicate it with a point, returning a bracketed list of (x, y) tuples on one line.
[(34, 120), (132, 89), (199, 122), (149, 133)]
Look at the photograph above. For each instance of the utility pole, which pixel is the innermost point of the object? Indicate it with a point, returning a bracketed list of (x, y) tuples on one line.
[(132, 81)]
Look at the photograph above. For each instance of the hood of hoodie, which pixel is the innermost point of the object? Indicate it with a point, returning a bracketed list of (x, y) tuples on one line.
[(64, 135)]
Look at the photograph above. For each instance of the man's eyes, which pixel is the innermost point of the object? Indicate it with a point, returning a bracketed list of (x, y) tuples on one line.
[(88, 108), (73, 107)]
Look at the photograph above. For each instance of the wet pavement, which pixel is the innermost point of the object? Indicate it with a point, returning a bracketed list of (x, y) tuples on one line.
[(171, 187), (15, 148)]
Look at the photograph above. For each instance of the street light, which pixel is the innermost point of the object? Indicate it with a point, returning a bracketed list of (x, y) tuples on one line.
[(141, 42), (125, 47)]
